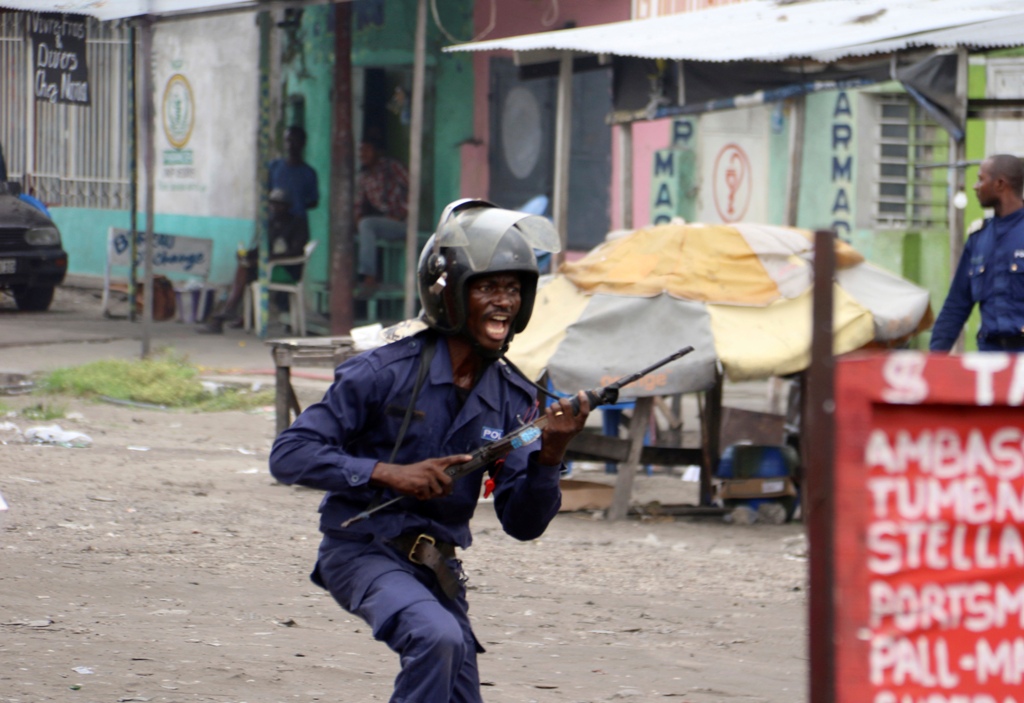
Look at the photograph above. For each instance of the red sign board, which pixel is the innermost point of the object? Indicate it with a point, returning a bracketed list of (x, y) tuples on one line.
[(929, 529)]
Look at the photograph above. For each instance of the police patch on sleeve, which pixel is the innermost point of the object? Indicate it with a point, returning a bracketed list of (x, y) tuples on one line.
[(491, 435)]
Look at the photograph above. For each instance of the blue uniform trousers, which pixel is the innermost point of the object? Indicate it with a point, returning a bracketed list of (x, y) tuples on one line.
[(402, 604)]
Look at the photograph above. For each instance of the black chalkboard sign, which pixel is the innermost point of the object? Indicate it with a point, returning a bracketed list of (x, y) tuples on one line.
[(59, 70)]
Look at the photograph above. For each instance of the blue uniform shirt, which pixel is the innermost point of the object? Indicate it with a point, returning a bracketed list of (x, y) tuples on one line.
[(335, 444), (990, 273)]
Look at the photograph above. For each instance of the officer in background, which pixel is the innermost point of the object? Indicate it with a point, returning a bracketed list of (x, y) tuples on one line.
[(399, 415), (991, 269)]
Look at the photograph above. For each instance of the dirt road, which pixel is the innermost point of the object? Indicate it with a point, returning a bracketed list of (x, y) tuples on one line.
[(164, 564)]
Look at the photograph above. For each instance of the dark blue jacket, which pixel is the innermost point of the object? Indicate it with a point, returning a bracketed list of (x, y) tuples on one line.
[(991, 274), (334, 445)]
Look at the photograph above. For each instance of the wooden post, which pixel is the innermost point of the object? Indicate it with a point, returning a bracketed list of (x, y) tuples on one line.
[(626, 174), (415, 160), (711, 436), (624, 481), (798, 117), (563, 151), (342, 232), (819, 501)]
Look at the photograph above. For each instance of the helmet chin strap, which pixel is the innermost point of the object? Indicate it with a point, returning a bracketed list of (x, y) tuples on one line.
[(481, 350)]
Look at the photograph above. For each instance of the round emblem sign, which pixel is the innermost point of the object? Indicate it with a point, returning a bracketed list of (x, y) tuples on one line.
[(178, 111), (732, 183)]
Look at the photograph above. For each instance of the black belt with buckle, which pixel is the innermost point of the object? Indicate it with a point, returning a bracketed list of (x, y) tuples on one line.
[(428, 551)]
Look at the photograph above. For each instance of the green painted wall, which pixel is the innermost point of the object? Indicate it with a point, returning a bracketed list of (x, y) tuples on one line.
[(829, 173), (307, 73), (778, 162)]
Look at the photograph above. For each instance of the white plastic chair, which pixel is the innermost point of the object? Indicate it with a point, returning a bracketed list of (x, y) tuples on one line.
[(296, 293)]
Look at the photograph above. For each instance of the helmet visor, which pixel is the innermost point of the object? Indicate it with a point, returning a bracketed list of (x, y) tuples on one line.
[(489, 226)]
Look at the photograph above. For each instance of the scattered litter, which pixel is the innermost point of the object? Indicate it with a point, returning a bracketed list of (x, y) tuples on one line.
[(138, 449), (54, 434), (3, 503), (211, 387), (74, 416), (247, 452), (133, 698), (26, 480), (692, 474), (83, 670), (102, 499), (249, 471), (132, 403), (15, 384), (9, 427), (46, 622), (256, 387)]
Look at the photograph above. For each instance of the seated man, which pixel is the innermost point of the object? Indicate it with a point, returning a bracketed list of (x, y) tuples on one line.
[(288, 235), (381, 202)]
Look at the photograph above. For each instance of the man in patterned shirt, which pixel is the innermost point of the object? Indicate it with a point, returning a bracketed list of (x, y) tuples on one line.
[(382, 194)]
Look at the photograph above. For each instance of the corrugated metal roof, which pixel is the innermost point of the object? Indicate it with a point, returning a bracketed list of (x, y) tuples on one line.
[(774, 30), (120, 9)]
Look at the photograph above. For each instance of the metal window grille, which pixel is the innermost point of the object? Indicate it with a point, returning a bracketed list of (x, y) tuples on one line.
[(907, 195), (70, 155)]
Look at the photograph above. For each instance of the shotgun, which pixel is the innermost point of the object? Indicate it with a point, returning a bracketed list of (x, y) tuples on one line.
[(528, 433)]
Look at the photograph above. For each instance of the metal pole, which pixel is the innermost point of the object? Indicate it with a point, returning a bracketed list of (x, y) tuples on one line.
[(148, 161), (415, 158), (957, 176), (342, 177), (819, 502), (563, 144), (133, 176), (265, 22), (626, 174)]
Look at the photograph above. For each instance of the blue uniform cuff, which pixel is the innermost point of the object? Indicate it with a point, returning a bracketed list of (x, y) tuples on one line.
[(357, 471)]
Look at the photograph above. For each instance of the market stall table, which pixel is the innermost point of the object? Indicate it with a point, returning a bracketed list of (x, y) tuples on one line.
[(302, 351)]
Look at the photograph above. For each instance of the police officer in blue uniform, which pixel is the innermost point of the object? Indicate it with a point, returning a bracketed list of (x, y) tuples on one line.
[(991, 269), (397, 416)]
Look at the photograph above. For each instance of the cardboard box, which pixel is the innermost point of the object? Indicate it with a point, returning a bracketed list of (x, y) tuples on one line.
[(585, 495), (739, 488)]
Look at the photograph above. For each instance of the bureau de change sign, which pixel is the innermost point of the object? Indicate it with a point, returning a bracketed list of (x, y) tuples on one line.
[(929, 513)]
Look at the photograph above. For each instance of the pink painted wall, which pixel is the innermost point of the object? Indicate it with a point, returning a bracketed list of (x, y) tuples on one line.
[(515, 17), (647, 138)]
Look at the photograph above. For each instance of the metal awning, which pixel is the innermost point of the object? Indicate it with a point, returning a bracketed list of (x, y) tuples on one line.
[(105, 10), (770, 30)]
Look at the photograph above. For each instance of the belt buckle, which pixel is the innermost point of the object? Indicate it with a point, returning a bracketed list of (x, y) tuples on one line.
[(420, 538)]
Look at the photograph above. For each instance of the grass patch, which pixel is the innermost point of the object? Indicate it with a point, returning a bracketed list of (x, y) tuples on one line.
[(167, 380)]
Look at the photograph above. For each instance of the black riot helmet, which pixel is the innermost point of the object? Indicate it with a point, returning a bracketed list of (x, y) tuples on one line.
[(475, 237)]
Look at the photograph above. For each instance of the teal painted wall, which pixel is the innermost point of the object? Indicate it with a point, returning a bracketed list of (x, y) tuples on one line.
[(86, 240)]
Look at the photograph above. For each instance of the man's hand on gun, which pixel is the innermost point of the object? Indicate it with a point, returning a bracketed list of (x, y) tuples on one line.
[(563, 424), (423, 480)]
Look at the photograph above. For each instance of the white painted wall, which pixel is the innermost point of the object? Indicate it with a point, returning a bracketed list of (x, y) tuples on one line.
[(734, 165), (210, 67)]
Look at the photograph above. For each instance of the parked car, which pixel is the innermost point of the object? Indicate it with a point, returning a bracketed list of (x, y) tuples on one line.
[(32, 260)]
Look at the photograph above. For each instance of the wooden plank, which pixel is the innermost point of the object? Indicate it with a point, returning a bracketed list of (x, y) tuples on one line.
[(590, 446), (624, 480)]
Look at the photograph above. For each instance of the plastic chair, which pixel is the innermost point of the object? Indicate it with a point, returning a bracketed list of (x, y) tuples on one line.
[(296, 293)]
